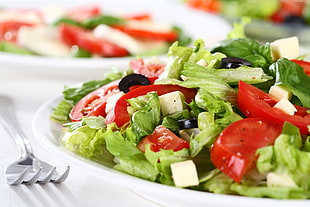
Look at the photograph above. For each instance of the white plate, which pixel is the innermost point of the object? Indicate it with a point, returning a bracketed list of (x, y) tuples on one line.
[(196, 24), (48, 133)]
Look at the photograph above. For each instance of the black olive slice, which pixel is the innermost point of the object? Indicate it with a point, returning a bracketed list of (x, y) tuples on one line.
[(187, 123), (233, 62), (132, 80), (295, 21)]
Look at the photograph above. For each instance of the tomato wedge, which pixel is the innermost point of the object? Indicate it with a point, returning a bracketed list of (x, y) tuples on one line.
[(234, 150), (210, 5), (140, 33), (163, 138), (304, 64), (151, 71), (94, 104), (253, 102), (9, 29), (119, 113), (73, 35)]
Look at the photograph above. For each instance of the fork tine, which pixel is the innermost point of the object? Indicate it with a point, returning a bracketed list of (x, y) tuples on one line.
[(48, 176), (62, 177), (19, 179), (34, 178)]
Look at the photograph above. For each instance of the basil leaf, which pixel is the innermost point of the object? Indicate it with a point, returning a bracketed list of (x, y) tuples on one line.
[(104, 19), (292, 76), (249, 49)]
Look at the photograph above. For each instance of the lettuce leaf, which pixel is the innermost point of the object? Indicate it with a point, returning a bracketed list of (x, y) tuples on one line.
[(128, 157)]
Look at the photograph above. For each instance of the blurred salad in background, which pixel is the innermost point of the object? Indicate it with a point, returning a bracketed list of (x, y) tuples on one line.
[(271, 19), (84, 32), (279, 11)]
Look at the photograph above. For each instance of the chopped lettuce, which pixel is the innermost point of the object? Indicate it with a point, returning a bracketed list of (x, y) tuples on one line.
[(239, 28), (146, 117), (218, 115), (128, 157), (86, 140), (61, 112)]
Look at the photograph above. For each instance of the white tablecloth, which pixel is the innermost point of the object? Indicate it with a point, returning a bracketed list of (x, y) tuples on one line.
[(28, 91)]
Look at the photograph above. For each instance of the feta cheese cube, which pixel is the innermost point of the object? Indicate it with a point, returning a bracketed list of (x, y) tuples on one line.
[(286, 47), (184, 173), (172, 102), (286, 106), (280, 92)]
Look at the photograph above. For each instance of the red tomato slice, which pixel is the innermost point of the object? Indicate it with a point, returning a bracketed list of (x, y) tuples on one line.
[(73, 35), (142, 16), (210, 5), (84, 12), (94, 103), (253, 102), (288, 8), (169, 36), (119, 114), (234, 150), (163, 138), (304, 64), (9, 29), (151, 71)]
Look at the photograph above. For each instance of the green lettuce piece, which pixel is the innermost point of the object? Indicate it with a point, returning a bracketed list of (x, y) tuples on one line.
[(86, 141), (163, 159), (128, 157), (200, 52), (246, 74), (219, 114), (271, 192), (61, 112), (146, 117), (217, 182), (196, 76), (9, 47), (249, 49), (292, 76), (252, 8), (177, 56), (239, 28)]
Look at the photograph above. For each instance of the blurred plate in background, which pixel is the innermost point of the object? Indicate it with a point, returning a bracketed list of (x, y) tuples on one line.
[(196, 24)]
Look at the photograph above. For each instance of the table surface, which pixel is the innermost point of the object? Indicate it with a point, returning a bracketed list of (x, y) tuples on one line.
[(28, 92)]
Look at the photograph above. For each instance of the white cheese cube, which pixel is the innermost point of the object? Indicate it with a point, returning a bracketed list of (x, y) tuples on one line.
[(280, 92), (172, 102), (280, 180), (286, 106), (184, 173), (286, 47)]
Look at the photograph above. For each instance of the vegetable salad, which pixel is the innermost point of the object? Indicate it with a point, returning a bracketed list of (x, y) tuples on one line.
[(231, 119), (84, 32)]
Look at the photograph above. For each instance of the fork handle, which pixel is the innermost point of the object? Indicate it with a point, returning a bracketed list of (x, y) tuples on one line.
[(9, 120)]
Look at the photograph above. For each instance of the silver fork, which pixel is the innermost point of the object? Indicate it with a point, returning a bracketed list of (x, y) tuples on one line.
[(27, 169)]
